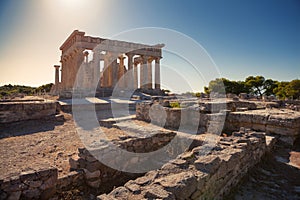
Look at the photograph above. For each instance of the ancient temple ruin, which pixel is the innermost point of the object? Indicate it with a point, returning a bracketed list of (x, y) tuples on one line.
[(127, 65)]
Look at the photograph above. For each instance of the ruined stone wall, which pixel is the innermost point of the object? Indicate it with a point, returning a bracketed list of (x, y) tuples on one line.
[(19, 111), (30, 185), (41, 184), (270, 122), (276, 121), (196, 176), (103, 178), (183, 118)]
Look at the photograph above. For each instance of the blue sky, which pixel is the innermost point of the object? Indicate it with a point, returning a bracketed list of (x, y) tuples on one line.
[(242, 37)]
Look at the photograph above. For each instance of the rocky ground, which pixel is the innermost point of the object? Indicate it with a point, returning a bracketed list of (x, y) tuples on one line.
[(31, 145), (276, 177), (34, 144)]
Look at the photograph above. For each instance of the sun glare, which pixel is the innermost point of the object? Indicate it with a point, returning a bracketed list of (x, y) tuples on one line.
[(71, 3)]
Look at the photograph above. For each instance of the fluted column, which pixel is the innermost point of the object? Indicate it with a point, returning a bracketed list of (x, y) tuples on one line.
[(96, 66), (121, 72), (56, 75), (149, 73), (85, 72), (106, 71), (144, 72), (135, 75), (129, 74), (115, 68), (157, 73), (63, 73)]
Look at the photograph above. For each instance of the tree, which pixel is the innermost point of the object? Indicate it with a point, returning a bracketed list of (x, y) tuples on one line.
[(256, 84), (293, 89), (280, 90), (217, 85), (222, 85), (269, 86), (44, 88)]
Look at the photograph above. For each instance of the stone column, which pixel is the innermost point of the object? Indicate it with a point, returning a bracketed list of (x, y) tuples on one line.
[(157, 73), (106, 71), (143, 73), (129, 75), (96, 66), (115, 69), (86, 81), (56, 75), (121, 72), (67, 73), (63, 78), (135, 75), (149, 73)]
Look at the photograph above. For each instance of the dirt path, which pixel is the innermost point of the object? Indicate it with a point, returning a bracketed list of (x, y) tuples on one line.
[(34, 144)]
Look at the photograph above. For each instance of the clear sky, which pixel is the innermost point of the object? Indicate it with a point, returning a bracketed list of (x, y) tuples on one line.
[(257, 37)]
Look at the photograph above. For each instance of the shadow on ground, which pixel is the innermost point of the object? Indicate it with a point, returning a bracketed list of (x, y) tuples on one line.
[(28, 127)]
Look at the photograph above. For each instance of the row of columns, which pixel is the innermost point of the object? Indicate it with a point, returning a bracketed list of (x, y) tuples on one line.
[(113, 72)]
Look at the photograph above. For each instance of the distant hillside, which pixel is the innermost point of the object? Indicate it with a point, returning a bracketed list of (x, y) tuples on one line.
[(16, 90)]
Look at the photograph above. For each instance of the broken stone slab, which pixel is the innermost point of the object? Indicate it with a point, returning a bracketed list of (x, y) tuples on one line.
[(157, 192), (133, 187), (180, 184), (91, 175), (207, 164)]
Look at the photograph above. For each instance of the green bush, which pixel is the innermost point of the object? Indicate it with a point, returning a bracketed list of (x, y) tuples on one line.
[(174, 104)]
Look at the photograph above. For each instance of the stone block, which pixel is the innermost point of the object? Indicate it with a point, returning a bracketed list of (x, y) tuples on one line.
[(208, 163), (157, 192), (91, 175), (31, 193), (94, 184)]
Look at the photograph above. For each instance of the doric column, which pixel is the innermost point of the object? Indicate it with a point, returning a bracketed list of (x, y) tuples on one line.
[(129, 75), (149, 73), (56, 75), (144, 72), (85, 74), (96, 67), (67, 72), (135, 75), (63, 73), (121, 72), (115, 69), (106, 73), (157, 73)]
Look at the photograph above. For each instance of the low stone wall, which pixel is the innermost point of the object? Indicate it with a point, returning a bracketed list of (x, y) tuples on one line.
[(277, 121), (41, 184), (19, 111), (281, 122), (30, 185), (103, 178), (196, 176), (174, 118)]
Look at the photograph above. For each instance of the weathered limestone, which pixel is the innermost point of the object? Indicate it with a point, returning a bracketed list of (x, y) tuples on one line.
[(99, 176), (30, 185), (277, 121), (26, 110), (73, 53), (196, 176), (40, 184)]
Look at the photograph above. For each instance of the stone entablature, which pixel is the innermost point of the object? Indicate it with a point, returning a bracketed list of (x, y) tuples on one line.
[(74, 61)]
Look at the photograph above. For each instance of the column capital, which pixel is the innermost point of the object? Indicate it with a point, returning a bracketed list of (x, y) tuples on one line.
[(129, 54), (157, 59), (56, 66), (121, 57)]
